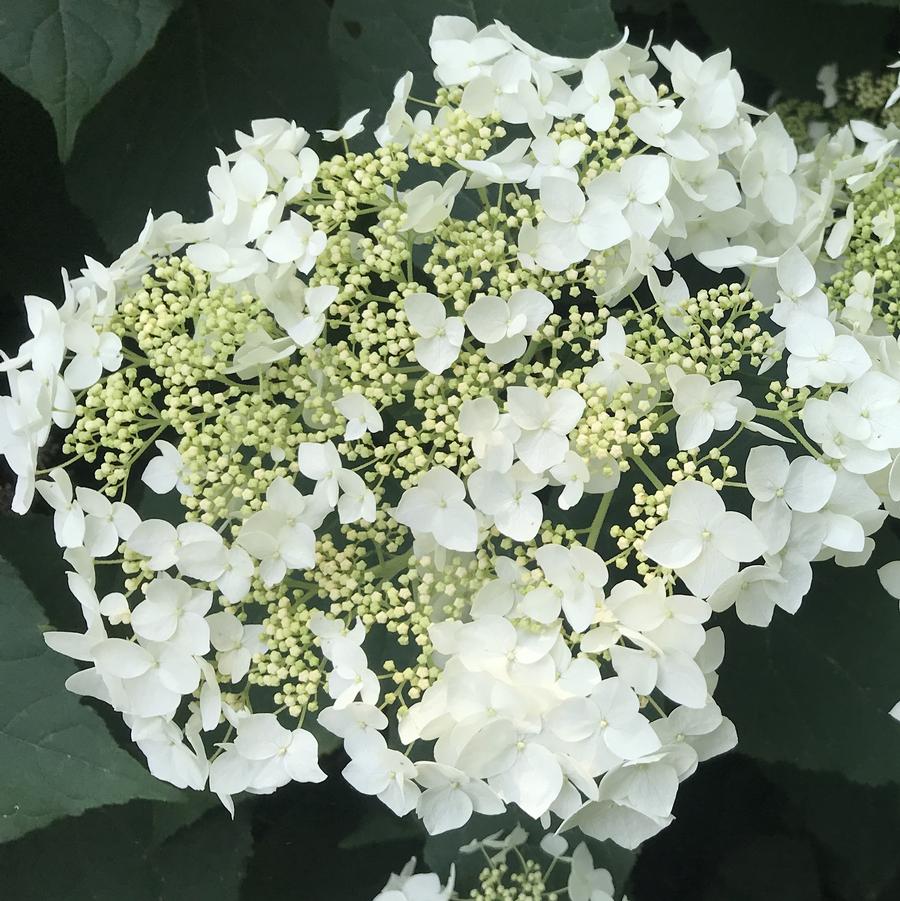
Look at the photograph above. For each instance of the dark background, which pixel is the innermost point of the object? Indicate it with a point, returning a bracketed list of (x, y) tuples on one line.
[(809, 809)]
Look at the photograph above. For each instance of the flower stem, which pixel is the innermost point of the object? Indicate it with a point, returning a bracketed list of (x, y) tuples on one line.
[(647, 471), (599, 516)]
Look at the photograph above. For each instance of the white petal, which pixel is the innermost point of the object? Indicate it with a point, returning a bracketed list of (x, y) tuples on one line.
[(123, 659), (796, 275), (672, 545), (562, 200)]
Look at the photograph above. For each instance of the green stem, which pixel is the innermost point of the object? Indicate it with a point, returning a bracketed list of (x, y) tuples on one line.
[(797, 434), (778, 416), (599, 517), (647, 471)]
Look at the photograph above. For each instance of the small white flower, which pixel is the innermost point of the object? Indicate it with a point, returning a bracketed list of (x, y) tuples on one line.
[(168, 757), (450, 797), (778, 487), (857, 312), (230, 263), (884, 226), (350, 129), (593, 98), (766, 169), (299, 310), (263, 757), (166, 472), (616, 369), (704, 407), (440, 337), (429, 204), (545, 423), (360, 414), (411, 886), (818, 356), (357, 724), (754, 592), (281, 535), (295, 242), (386, 773), (235, 643), (493, 433), (509, 498), (68, 517), (94, 352), (576, 576), (398, 126), (437, 506), (636, 191), (555, 159), (841, 232), (506, 167), (503, 326), (575, 475), (702, 541), (574, 225), (798, 291)]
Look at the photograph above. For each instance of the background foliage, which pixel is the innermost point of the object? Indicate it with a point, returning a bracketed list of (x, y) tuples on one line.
[(113, 108)]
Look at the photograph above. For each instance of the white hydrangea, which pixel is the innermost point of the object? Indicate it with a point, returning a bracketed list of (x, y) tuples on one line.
[(465, 490)]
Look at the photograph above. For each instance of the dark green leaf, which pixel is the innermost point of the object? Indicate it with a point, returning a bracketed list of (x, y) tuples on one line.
[(49, 231), (640, 7), (297, 844), (815, 689), (217, 65), (169, 819), (112, 855), (205, 862), (28, 543), (806, 833), (69, 53), (56, 755), (855, 826), (777, 868), (374, 44), (380, 825), (891, 4), (802, 40), (723, 807)]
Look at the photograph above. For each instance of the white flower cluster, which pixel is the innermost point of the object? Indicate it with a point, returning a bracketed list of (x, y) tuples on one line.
[(70, 349), (402, 436), (511, 871)]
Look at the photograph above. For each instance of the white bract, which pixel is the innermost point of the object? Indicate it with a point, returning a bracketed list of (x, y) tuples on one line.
[(574, 224), (166, 472), (361, 415), (545, 423), (779, 487), (503, 327), (440, 336), (437, 506), (493, 434), (350, 129), (819, 355), (616, 369), (703, 408), (702, 541)]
